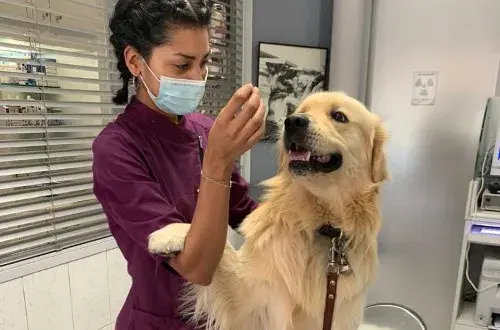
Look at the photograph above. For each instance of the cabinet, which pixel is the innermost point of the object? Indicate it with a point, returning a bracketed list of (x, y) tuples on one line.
[(463, 311)]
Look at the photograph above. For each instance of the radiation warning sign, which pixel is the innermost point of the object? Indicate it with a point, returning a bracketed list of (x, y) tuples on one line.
[(424, 87)]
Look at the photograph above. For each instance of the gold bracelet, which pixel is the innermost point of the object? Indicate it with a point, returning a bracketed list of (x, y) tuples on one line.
[(220, 183)]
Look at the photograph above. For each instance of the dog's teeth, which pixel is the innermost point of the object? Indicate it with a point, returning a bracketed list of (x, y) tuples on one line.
[(300, 156), (323, 159)]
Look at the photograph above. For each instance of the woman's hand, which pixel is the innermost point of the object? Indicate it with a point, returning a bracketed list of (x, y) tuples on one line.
[(234, 132)]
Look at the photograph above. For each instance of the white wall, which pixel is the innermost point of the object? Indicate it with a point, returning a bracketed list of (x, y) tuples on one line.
[(497, 92), (351, 23), (85, 294), (433, 148)]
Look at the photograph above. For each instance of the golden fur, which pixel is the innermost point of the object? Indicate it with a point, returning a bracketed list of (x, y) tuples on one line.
[(277, 280)]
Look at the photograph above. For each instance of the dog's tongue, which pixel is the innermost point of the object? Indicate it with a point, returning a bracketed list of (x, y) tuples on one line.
[(303, 156)]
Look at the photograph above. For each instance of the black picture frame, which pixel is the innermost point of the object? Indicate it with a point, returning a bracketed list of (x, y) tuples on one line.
[(286, 74)]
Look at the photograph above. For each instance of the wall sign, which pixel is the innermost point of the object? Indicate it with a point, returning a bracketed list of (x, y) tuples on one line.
[(424, 87)]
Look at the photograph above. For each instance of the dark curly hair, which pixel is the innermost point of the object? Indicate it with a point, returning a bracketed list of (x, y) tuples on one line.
[(145, 24)]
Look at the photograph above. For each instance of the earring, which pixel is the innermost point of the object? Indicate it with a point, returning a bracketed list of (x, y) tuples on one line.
[(134, 83)]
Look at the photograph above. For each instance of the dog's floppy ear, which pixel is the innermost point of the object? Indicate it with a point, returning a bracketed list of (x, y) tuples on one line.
[(379, 166)]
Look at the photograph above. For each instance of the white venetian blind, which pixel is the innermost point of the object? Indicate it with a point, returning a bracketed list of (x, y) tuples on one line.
[(225, 69), (57, 79)]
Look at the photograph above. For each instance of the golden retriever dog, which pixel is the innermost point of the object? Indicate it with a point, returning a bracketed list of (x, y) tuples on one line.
[(331, 166)]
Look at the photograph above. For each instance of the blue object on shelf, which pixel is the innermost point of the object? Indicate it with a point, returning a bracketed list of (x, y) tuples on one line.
[(485, 230)]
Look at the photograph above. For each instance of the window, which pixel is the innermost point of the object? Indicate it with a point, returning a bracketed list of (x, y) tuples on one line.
[(225, 69), (57, 79)]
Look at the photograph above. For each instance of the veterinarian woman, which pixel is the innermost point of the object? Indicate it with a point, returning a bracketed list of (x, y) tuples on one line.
[(160, 163)]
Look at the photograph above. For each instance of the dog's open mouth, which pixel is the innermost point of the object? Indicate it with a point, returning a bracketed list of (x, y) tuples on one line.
[(302, 160)]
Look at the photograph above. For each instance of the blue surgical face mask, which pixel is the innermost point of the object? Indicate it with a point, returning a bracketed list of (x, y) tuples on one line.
[(177, 96)]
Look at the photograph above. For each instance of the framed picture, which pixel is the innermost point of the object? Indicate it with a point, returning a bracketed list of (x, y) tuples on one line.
[(287, 74)]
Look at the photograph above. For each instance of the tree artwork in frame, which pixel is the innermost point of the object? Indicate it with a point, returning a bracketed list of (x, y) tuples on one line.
[(287, 74)]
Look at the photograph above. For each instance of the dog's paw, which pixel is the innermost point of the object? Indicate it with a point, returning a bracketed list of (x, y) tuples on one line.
[(169, 239)]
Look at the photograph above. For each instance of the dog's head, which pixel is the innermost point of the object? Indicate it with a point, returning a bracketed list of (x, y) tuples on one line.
[(333, 146)]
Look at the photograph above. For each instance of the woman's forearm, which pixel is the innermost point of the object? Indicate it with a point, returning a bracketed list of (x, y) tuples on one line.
[(207, 235)]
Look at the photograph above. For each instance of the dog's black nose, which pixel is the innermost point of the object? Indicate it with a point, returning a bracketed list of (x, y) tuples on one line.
[(296, 122)]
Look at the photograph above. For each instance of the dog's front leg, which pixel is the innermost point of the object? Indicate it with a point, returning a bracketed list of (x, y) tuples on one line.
[(168, 240)]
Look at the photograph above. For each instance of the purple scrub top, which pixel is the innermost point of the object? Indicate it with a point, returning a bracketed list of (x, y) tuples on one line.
[(146, 175)]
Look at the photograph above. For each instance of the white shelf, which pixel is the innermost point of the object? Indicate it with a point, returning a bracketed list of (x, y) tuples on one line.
[(473, 213), (463, 312), (465, 320), (489, 217), (484, 239)]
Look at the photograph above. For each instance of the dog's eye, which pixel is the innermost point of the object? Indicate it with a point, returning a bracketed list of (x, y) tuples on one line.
[(340, 117)]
